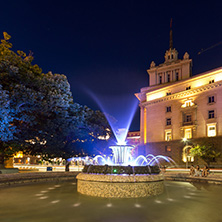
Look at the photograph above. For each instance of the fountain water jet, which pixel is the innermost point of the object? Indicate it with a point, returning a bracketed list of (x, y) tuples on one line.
[(122, 176)]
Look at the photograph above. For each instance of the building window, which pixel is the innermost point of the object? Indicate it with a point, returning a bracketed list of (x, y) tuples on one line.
[(187, 157), (168, 93), (168, 109), (160, 79), (168, 121), (188, 133), (211, 99), (211, 81), (210, 114), (168, 135), (168, 77), (188, 87), (176, 75), (167, 149), (211, 129), (188, 103), (188, 118)]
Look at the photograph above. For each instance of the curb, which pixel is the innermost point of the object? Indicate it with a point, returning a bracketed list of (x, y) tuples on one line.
[(30, 178), (183, 177)]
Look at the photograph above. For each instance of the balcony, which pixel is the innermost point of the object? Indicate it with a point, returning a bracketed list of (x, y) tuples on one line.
[(190, 123)]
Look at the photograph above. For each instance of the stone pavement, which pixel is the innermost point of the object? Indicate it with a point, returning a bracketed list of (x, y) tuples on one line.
[(34, 177), (215, 177)]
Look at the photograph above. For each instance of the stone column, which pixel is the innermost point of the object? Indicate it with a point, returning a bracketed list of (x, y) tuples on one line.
[(141, 124)]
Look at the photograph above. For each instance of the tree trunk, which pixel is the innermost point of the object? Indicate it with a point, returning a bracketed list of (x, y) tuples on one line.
[(2, 157)]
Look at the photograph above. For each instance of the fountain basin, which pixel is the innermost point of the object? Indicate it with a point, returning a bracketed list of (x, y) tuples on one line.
[(120, 186)]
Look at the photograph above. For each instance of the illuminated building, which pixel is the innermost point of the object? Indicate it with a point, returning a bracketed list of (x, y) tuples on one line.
[(177, 105), (133, 138)]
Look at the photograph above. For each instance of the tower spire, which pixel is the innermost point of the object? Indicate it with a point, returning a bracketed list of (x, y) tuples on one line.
[(171, 34)]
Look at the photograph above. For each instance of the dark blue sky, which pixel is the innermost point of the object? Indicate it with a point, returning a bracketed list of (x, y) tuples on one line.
[(106, 46)]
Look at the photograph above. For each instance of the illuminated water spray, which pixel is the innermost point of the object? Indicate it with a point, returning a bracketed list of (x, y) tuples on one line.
[(121, 154), (122, 108)]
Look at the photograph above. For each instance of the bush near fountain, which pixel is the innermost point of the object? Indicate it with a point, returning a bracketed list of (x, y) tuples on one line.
[(106, 169)]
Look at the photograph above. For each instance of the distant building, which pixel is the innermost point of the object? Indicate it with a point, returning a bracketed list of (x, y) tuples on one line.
[(178, 108), (133, 138)]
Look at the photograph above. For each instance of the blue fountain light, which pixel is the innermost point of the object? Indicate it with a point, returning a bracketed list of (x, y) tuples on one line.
[(122, 156), (124, 111)]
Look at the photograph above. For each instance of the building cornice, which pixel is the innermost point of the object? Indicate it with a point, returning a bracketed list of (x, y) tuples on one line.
[(162, 66), (161, 87), (184, 94)]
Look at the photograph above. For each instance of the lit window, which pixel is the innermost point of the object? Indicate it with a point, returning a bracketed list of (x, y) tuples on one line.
[(187, 157), (210, 114), (188, 133), (167, 148), (168, 135), (168, 109), (211, 99), (168, 121), (211, 129), (188, 103)]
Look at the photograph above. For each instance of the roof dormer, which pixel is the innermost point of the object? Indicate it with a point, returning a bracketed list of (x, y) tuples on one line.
[(171, 55)]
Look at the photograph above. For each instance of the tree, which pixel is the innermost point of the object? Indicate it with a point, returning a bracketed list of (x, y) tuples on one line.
[(38, 115), (88, 131), (206, 150), (6, 126)]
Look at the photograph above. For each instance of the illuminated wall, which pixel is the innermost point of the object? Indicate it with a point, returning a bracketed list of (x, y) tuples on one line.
[(145, 126), (188, 98)]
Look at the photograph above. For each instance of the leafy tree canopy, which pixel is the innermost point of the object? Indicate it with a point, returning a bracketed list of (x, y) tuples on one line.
[(38, 114), (207, 149)]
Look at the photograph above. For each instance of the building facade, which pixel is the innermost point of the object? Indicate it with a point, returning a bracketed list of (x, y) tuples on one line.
[(133, 138), (178, 108)]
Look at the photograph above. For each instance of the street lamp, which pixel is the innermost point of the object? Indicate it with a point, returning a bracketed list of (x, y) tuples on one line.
[(186, 151)]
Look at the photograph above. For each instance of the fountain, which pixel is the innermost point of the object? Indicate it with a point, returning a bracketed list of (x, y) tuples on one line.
[(120, 179), (121, 175)]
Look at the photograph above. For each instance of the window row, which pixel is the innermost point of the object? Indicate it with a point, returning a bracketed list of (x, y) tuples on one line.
[(187, 134), (189, 87), (188, 103), (188, 117), (211, 131), (168, 76)]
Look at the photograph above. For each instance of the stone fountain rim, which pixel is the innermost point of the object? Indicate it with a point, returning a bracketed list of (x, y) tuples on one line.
[(120, 178)]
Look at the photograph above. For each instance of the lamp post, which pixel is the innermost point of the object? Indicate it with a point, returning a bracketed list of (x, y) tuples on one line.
[(186, 153)]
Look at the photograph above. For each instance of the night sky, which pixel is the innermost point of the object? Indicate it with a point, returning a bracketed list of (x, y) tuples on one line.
[(105, 47)]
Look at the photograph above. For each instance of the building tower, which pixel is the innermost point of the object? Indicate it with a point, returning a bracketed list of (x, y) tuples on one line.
[(177, 106)]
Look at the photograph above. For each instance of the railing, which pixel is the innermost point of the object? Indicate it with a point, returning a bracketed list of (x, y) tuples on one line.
[(190, 123)]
